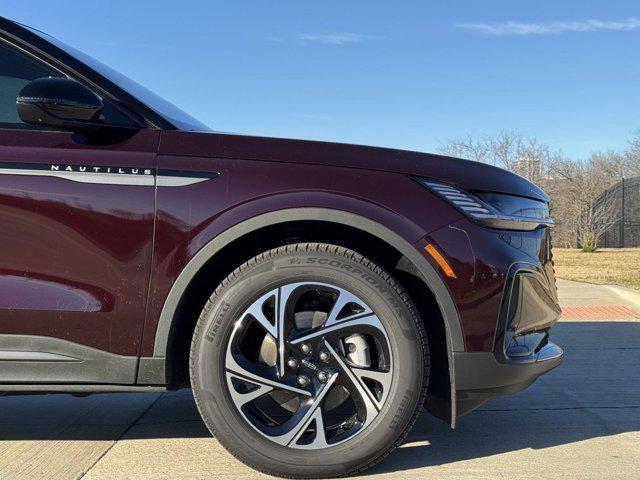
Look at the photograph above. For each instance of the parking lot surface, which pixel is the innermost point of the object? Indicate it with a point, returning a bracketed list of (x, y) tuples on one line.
[(582, 420)]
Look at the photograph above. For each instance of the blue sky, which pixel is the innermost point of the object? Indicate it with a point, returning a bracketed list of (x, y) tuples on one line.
[(407, 74)]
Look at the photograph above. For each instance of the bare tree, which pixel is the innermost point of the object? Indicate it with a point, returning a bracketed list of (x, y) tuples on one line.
[(582, 212), (510, 150), (631, 158), (467, 147), (580, 194)]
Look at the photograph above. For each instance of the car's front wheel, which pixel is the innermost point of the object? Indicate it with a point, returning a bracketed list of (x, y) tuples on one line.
[(309, 361)]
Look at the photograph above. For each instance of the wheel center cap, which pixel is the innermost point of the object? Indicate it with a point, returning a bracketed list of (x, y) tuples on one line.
[(309, 365)]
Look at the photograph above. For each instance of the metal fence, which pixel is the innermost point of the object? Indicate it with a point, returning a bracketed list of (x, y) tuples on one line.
[(626, 231)]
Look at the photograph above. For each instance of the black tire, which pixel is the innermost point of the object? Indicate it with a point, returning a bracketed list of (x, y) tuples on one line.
[(320, 263)]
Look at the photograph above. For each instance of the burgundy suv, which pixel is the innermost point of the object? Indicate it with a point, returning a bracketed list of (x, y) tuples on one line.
[(314, 296)]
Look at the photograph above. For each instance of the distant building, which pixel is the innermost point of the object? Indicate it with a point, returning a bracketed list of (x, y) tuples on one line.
[(528, 167), (626, 231)]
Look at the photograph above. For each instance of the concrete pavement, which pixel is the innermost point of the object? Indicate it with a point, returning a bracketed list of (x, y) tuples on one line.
[(583, 294), (580, 421)]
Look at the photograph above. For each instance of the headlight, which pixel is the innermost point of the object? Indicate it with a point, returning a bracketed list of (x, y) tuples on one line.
[(494, 210)]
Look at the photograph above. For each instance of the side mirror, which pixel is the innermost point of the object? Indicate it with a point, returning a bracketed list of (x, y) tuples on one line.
[(60, 102)]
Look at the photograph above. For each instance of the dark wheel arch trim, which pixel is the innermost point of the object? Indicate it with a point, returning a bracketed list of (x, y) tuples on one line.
[(455, 340)]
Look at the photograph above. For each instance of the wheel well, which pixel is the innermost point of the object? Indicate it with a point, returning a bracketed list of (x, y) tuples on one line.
[(236, 253)]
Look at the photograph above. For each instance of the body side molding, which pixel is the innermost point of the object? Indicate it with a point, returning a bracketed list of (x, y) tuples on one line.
[(31, 359), (24, 356)]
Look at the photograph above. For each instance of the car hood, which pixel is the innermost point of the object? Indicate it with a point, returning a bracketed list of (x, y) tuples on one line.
[(464, 173)]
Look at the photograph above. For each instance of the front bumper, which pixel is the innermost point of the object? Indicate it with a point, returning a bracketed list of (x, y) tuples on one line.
[(479, 376), (506, 298), (522, 349)]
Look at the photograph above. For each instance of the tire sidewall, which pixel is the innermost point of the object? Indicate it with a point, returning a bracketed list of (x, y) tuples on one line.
[(269, 272)]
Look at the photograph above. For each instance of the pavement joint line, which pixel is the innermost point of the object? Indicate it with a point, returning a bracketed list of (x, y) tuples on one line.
[(616, 407), (195, 420), (18, 424), (127, 430), (578, 349)]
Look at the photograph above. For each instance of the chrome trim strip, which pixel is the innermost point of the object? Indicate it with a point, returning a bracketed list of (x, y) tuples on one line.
[(86, 177), (107, 175), (171, 181), (513, 223)]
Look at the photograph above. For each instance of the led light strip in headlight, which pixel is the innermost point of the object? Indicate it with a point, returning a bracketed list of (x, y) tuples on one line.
[(493, 210), (460, 199)]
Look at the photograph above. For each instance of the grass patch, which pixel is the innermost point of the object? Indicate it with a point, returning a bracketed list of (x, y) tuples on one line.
[(606, 266)]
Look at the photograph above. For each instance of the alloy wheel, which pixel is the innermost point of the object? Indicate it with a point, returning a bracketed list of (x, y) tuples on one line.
[(308, 365)]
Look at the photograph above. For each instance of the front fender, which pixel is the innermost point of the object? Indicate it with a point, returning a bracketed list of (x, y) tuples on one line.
[(455, 339)]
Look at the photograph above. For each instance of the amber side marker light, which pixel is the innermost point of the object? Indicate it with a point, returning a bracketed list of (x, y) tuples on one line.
[(437, 256)]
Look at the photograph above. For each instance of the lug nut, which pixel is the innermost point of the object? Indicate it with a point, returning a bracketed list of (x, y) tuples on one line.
[(303, 380), (305, 348), (324, 356), (323, 376), (292, 362)]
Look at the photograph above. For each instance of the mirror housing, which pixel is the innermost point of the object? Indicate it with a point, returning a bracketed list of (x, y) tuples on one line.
[(61, 103)]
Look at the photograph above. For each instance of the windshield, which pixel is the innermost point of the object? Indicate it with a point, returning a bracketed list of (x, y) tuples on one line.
[(170, 112)]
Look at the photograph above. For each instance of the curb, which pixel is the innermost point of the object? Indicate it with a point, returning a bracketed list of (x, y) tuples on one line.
[(627, 294)]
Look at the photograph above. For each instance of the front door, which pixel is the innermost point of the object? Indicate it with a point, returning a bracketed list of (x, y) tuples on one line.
[(76, 238)]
